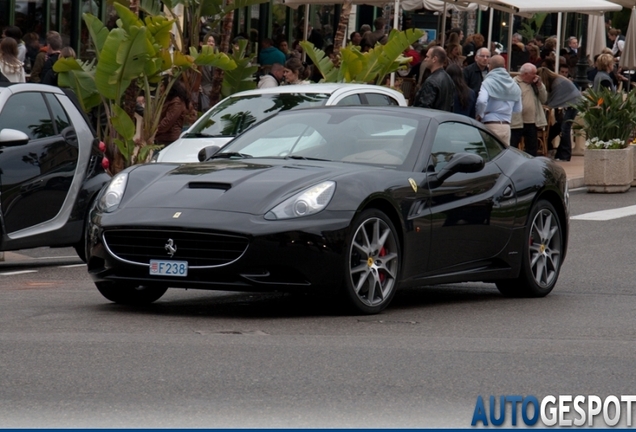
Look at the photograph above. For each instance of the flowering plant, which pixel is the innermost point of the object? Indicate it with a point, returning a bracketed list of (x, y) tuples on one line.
[(608, 118), (596, 143)]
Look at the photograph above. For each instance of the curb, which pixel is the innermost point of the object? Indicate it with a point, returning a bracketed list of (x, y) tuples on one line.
[(10, 260), (575, 183)]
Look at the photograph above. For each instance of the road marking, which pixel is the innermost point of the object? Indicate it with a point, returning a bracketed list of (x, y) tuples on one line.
[(605, 215), (72, 265), (57, 257), (18, 272)]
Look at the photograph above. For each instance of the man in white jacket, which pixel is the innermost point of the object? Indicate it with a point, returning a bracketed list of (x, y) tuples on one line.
[(273, 78)]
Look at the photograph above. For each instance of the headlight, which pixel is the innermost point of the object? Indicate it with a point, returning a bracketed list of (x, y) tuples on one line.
[(112, 195), (308, 202)]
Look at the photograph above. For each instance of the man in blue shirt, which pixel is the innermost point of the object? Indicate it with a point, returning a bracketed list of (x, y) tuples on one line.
[(270, 54), (498, 98)]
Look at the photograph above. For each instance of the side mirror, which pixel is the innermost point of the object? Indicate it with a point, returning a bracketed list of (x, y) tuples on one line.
[(12, 137), (459, 163), (207, 152)]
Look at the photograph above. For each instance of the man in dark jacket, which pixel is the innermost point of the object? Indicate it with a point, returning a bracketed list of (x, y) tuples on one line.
[(475, 73), (438, 91)]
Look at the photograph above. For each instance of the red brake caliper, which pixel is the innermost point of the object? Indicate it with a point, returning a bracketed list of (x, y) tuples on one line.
[(382, 253)]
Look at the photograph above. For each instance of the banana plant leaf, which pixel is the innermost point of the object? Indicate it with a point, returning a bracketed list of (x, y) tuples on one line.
[(80, 78), (398, 41), (159, 28), (208, 57), (380, 59), (351, 64), (240, 78), (122, 123), (127, 18), (108, 71), (154, 7), (321, 61), (98, 32), (134, 53)]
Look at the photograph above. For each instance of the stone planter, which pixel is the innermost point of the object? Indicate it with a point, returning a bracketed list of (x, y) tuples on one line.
[(609, 171), (633, 147)]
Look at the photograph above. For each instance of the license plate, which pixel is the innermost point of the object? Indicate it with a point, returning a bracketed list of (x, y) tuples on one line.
[(168, 268)]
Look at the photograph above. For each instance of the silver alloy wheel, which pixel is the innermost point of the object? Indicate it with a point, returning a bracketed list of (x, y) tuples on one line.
[(545, 248), (373, 262)]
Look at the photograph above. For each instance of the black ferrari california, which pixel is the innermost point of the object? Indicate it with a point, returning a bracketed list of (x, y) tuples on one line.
[(355, 201)]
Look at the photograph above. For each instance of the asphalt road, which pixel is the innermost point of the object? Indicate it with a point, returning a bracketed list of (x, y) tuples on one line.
[(69, 358)]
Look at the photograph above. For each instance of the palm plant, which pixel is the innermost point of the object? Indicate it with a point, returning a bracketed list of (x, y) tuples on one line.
[(608, 118), (368, 67)]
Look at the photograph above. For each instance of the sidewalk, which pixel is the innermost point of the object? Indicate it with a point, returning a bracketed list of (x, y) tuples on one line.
[(574, 171)]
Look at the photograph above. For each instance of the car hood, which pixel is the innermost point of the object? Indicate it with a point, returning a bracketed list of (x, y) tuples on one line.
[(186, 150), (228, 185)]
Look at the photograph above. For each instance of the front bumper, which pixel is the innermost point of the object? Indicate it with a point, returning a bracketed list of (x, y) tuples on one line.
[(284, 255)]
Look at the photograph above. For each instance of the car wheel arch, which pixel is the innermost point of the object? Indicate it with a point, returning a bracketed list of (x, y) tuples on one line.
[(385, 206)]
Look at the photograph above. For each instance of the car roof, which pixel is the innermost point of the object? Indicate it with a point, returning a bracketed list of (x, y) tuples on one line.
[(315, 88), (437, 115)]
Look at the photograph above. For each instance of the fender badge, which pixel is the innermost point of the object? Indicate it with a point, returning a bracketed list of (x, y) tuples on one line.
[(413, 184), (176, 215)]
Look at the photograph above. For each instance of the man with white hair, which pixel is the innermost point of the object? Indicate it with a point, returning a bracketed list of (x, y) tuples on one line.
[(498, 98), (532, 116), (475, 73)]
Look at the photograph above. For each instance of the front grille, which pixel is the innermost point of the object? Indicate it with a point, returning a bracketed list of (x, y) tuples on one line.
[(199, 249)]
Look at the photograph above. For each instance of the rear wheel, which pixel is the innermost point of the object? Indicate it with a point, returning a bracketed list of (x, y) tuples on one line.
[(126, 294), (541, 256), (373, 262)]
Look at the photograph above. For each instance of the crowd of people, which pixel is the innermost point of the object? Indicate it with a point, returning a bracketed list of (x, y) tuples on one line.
[(471, 79), (460, 76), (23, 59)]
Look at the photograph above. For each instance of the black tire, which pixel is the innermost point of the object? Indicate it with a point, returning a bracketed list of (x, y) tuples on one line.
[(129, 295), (541, 256), (372, 263), (80, 248)]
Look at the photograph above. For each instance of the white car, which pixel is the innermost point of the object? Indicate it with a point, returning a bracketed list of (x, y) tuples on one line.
[(221, 123)]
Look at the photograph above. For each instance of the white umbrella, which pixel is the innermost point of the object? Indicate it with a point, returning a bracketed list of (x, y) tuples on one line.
[(628, 56), (595, 35)]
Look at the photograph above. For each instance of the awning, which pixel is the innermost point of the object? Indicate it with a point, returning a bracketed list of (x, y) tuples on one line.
[(628, 56), (434, 5), (625, 3), (529, 7)]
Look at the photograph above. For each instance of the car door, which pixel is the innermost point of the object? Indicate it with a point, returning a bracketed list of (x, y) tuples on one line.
[(472, 213), (36, 177)]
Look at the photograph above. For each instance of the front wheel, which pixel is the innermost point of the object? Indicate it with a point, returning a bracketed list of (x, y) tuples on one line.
[(124, 294), (372, 262), (542, 255)]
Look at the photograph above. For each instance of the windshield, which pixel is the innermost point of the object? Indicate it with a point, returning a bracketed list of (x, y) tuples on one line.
[(375, 138), (235, 114)]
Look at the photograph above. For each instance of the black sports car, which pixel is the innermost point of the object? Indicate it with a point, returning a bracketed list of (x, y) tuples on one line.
[(354, 200)]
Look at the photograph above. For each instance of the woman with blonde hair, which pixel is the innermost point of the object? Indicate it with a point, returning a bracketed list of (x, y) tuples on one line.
[(10, 66), (605, 67)]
